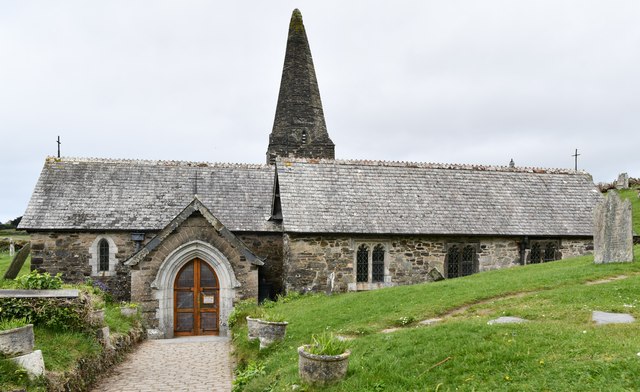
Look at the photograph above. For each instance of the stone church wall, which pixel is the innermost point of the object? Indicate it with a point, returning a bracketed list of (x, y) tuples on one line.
[(327, 262), (269, 246), (69, 253)]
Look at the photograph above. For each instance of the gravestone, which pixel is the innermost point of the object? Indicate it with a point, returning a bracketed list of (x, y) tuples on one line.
[(601, 318), (12, 248), (612, 230), (623, 181), (507, 320), (17, 262)]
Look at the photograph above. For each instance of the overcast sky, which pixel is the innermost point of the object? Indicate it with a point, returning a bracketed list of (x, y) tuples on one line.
[(436, 81)]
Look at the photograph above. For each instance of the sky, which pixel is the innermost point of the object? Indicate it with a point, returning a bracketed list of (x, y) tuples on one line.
[(460, 81)]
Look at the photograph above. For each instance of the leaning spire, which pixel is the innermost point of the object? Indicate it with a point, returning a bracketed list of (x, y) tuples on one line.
[(299, 128)]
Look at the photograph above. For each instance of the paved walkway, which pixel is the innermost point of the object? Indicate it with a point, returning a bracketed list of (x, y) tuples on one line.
[(193, 364)]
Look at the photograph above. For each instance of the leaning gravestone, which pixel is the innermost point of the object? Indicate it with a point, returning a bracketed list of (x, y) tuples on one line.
[(612, 230), (623, 181), (17, 262), (12, 248)]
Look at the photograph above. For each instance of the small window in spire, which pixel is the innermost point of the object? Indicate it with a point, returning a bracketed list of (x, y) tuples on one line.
[(304, 137)]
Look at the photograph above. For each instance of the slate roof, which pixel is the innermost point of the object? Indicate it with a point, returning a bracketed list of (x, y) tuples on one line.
[(325, 196), (105, 194)]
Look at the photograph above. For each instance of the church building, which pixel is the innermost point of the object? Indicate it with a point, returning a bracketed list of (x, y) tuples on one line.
[(187, 240)]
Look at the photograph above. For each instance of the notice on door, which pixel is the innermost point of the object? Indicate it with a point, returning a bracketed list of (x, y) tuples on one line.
[(208, 299)]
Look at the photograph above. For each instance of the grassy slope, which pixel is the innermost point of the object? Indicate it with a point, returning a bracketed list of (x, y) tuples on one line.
[(5, 260), (559, 349), (15, 234), (632, 195)]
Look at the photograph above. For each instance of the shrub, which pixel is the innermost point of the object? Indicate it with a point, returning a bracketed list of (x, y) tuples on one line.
[(327, 344), (243, 376), (55, 313), (37, 281), (12, 323), (242, 309), (99, 288)]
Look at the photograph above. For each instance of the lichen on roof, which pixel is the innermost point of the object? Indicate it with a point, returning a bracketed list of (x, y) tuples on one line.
[(296, 22)]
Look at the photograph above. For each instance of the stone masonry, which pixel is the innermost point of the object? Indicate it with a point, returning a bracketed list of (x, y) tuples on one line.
[(327, 263), (194, 228), (612, 230), (299, 128), (268, 246), (69, 253)]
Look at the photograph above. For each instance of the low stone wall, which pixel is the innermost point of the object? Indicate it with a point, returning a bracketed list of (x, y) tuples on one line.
[(89, 370)]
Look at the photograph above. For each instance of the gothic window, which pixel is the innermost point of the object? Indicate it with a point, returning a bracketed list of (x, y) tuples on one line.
[(468, 257), (304, 137), (370, 264), (460, 260), (103, 255), (453, 261), (377, 264), (536, 254), (542, 251), (550, 252), (362, 264)]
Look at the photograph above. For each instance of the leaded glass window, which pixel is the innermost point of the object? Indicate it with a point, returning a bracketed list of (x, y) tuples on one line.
[(362, 264), (453, 261), (550, 252), (468, 256), (103, 255), (536, 254), (377, 264)]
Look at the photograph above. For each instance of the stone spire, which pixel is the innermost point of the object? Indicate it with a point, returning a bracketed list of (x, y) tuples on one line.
[(299, 129)]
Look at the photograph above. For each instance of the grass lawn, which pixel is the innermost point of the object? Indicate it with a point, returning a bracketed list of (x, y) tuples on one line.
[(558, 349), (5, 260), (632, 195), (15, 234)]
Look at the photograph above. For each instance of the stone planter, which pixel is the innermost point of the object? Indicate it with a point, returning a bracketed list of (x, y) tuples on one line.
[(271, 331), (321, 369), (17, 341), (254, 327), (96, 317), (128, 312)]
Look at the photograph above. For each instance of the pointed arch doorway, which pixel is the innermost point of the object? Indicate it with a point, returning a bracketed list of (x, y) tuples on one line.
[(196, 293)]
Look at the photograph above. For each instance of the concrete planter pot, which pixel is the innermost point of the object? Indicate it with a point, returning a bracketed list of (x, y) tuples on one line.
[(17, 341), (96, 317), (321, 369), (128, 312), (253, 326), (271, 331)]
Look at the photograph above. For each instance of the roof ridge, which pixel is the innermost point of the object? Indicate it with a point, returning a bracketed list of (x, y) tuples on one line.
[(433, 165), (157, 162)]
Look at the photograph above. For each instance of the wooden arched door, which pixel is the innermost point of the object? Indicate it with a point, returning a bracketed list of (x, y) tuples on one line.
[(196, 295)]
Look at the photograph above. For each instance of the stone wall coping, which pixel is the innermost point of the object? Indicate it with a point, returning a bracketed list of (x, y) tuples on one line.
[(65, 293)]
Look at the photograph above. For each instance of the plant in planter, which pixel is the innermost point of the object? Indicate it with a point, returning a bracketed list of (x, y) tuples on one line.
[(16, 337), (272, 328), (324, 361), (128, 309)]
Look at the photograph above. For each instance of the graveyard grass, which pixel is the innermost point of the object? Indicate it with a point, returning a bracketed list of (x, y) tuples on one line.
[(559, 349), (632, 195), (76, 345), (5, 261)]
